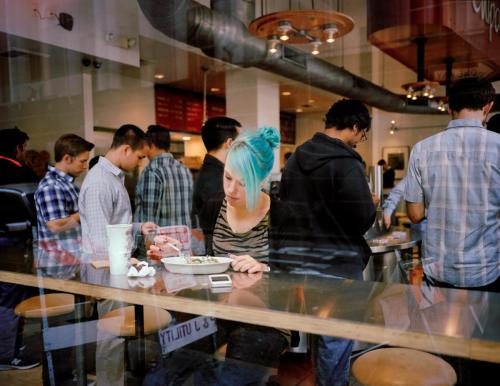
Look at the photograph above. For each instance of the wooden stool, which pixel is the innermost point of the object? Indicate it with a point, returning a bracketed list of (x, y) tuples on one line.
[(402, 367), (46, 306), (121, 321)]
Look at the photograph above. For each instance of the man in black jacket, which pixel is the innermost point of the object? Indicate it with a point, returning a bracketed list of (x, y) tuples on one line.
[(329, 208), (13, 170), (217, 134)]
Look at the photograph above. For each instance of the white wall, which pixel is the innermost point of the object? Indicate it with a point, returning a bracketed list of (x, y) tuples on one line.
[(92, 21), (119, 100), (45, 120)]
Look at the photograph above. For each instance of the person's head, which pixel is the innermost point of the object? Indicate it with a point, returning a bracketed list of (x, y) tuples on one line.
[(13, 143), (384, 164), (158, 139), (471, 93), (32, 159), (44, 156), (129, 147), (249, 161), (494, 124), (349, 117), (72, 153), (218, 132)]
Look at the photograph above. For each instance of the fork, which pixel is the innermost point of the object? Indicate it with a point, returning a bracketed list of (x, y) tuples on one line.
[(181, 254)]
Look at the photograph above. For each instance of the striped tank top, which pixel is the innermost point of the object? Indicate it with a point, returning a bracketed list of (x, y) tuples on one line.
[(255, 242)]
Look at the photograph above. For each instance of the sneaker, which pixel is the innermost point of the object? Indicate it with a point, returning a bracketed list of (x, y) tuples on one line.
[(19, 364)]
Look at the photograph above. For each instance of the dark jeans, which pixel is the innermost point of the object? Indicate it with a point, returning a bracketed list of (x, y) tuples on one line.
[(10, 327), (251, 350), (492, 287), (332, 361), (471, 372)]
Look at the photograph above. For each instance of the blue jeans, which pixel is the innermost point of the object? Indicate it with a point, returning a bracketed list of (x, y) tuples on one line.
[(332, 361), (10, 334)]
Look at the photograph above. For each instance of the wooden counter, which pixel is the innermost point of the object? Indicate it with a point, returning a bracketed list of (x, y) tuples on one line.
[(453, 322)]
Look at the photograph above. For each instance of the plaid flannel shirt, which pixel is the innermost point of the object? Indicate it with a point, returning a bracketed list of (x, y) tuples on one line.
[(56, 198), (456, 174), (164, 192)]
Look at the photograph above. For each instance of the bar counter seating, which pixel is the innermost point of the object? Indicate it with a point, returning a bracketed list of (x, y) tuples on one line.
[(126, 322), (46, 306), (402, 367)]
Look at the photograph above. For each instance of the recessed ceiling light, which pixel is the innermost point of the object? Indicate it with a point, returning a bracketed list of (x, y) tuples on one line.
[(286, 93), (298, 110), (311, 101), (159, 76), (186, 138), (215, 89)]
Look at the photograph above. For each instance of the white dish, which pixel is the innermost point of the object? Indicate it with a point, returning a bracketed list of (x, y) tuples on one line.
[(179, 265)]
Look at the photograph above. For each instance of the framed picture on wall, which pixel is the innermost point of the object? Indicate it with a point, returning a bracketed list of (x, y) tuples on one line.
[(397, 158)]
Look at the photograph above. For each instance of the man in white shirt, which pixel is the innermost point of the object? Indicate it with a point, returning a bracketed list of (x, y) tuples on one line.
[(103, 198)]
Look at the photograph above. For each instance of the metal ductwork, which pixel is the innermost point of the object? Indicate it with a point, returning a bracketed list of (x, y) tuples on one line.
[(226, 38)]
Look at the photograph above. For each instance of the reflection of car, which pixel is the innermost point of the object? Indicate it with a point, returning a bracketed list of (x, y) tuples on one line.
[(18, 214)]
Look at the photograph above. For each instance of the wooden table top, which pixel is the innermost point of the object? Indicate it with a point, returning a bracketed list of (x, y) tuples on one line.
[(452, 322)]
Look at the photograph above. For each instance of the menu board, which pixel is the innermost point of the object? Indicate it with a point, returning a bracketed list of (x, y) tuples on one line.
[(180, 110), (287, 128)]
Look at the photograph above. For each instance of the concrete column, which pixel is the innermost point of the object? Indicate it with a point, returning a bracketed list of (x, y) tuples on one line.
[(252, 97), (88, 107), (378, 116)]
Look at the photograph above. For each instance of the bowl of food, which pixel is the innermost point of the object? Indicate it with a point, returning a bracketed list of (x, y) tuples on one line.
[(196, 265)]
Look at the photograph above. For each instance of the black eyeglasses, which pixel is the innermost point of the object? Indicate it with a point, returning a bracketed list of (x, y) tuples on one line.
[(364, 137)]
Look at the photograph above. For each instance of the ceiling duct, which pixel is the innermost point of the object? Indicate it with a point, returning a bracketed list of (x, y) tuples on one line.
[(226, 38)]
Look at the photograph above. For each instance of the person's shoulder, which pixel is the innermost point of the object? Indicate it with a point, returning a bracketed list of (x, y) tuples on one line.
[(179, 165), (95, 179)]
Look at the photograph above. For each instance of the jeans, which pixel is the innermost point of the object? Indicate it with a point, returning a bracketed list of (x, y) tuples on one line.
[(332, 361), (10, 334), (251, 351)]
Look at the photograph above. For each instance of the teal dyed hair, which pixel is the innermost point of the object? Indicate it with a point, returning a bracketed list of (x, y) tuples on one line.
[(251, 157)]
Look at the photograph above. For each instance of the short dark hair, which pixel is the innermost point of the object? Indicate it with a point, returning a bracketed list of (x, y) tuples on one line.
[(158, 136), (129, 135), (10, 139), (470, 92), (494, 124), (381, 162), (346, 113), (72, 145), (217, 130)]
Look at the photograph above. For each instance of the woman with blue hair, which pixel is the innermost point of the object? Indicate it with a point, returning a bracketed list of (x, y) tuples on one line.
[(239, 224), (239, 221)]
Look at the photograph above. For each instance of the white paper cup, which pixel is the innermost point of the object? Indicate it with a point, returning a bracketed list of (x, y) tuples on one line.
[(119, 247)]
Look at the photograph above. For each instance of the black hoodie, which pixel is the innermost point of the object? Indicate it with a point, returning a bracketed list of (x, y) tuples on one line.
[(325, 198)]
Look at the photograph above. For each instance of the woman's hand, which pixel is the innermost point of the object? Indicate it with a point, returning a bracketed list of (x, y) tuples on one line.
[(244, 280), (246, 263)]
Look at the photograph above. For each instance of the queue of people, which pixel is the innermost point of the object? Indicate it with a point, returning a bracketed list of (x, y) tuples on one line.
[(324, 205)]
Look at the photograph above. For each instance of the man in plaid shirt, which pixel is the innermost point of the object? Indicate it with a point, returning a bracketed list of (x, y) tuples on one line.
[(165, 188), (454, 180), (56, 198)]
